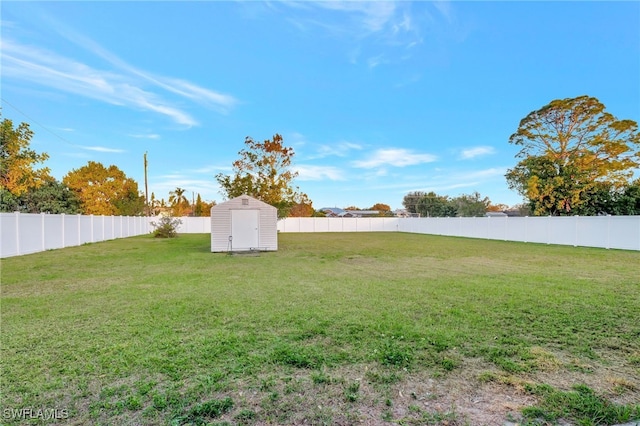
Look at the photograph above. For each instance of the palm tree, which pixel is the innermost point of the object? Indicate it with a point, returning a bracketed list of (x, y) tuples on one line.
[(178, 201)]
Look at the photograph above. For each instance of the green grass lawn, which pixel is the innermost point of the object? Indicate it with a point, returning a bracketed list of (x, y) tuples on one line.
[(330, 329)]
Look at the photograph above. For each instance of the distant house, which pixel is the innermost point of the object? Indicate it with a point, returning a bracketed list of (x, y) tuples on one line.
[(338, 212), (513, 213), (332, 211), (495, 214), (405, 213), (364, 213)]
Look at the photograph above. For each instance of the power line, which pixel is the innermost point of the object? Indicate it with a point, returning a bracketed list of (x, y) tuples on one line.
[(38, 123)]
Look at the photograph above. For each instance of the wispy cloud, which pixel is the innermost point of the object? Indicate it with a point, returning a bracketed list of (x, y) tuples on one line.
[(374, 61), (145, 136), (370, 16), (213, 169), (396, 157), (102, 149), (477, 151), (443, 181), (339, 149), (310, 173), (123, 84), (393, 27)]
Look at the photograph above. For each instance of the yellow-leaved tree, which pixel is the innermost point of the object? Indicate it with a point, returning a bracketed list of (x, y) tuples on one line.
[(18, 171), (105, 190), (569, 148)]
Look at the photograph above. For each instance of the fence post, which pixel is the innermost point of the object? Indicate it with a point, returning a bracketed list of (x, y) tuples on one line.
[(608, 231), (79, 230), (506, 227), (92, 238), (62, 229), (42, 224), (17, 233)]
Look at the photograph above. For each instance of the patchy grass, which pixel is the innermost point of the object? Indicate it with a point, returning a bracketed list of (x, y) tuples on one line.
[(581, 405), (332, 328)]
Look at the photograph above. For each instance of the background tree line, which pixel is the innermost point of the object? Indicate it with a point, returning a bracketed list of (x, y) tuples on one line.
[(430, 204), (575, 159), (27, 186)]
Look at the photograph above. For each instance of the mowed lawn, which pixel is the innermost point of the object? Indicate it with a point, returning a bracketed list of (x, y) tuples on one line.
[(335, 328)]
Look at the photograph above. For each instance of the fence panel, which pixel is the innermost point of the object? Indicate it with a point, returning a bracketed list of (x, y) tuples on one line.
[(592, 231), (53, 231), (497, 228), (624, 232), (30, 235), (516, 228), (86, 229), (537, 230), (335, 225), (9, 234), (97, 226)]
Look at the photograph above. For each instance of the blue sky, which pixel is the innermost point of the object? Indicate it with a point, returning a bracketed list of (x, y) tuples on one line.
[(377, 98)]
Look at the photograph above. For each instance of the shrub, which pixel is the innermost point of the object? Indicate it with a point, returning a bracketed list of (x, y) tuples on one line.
[(166, 227)]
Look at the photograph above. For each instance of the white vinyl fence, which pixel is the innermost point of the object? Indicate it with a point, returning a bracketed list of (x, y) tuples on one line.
[(338, 224), (619, 232), (616, 232), (22, 233)]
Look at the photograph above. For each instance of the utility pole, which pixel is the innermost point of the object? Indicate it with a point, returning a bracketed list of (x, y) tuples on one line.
[(146, 187)]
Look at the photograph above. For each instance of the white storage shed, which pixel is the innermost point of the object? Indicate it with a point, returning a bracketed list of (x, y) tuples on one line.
[(244, 224)]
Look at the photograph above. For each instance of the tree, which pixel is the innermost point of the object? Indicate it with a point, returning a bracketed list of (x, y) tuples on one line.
[(104, 191), (8, 201), (605, 199), (382, 209), (130, 204), (202, 208), (179, 202), (629, 201), (497, 207), (263, 172), (567, 147), (199, 207), (304, 208), (52, 197), (410, 201), (18, 172), (434, 205), (470, 205)]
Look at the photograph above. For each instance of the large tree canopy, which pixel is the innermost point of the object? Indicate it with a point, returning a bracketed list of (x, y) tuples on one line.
[(105, 191), (18, 172), (567, 147), (263, 171)]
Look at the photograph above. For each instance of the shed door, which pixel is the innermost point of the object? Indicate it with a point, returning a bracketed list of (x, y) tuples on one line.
[(244, 229)]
